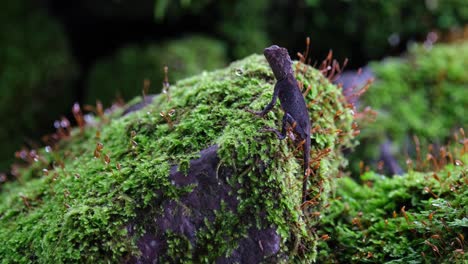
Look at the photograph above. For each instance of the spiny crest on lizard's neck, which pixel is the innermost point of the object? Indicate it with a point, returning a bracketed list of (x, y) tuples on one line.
[(279, 61)]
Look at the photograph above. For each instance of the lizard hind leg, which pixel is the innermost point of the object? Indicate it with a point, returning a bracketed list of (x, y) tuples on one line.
[(287, 119), (280, 135)]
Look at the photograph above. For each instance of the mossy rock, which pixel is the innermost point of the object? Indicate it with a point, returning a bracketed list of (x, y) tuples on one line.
[(202, 185), (413, 218), (36, 75), (124, 73), (423, 94)]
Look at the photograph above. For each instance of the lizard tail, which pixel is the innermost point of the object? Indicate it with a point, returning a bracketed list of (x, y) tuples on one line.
[(306, 169)]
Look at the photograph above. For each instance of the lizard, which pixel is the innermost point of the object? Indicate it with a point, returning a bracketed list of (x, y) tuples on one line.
[(292, 102)]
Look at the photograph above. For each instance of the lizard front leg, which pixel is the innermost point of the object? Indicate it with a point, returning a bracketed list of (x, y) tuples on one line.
[(269, 106)]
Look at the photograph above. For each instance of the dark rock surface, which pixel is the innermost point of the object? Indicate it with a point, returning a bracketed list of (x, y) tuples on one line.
[(389, 161), (352, 81), (187, 215)]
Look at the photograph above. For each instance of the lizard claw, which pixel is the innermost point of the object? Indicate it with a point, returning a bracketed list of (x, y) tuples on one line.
[(259, 114), (267, 129), (270, 129)]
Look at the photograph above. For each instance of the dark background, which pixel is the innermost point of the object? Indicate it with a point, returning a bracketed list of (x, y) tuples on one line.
[(51, 51)]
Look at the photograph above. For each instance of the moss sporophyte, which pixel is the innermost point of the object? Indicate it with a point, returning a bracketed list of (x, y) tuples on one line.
[(110, 187), (413, 218), (429, 86)]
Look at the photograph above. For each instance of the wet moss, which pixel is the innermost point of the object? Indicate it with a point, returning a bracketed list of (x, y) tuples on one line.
[(80, 208), (419, 217), (422, 95)]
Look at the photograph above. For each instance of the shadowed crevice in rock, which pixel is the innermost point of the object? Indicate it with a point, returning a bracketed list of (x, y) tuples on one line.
[(186, 216)]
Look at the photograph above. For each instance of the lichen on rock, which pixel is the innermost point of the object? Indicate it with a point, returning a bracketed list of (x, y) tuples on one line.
[(189, 178)]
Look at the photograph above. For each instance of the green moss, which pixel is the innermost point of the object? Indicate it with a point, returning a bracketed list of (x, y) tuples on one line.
[(82, 215), (221, 235), (124, 73), (36, 69), (178, 248), (415, 218), (423, 94)]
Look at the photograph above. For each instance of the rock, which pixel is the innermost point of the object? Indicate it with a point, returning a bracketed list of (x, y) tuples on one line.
[(199, 185), (211, 189)]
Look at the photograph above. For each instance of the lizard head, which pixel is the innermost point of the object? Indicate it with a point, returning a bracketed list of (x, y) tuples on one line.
[(279, 61)]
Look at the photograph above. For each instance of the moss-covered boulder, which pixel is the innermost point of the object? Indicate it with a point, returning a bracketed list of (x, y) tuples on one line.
[(423, 94), (413, 218), (190, 178), (35, 75), (124, 73)]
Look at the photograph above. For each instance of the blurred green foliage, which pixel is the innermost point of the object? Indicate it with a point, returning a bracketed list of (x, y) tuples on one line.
[(242, 24), (125, 72), (415, 218), (122, 9), (374, 24), (36, 72), (368, 28), (424, 94), (168, 8)]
